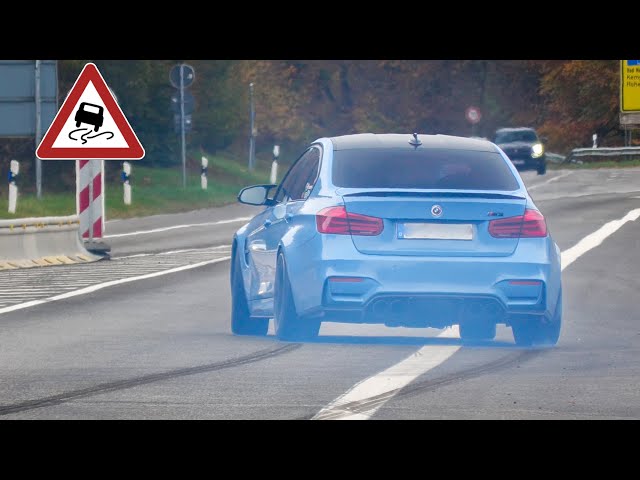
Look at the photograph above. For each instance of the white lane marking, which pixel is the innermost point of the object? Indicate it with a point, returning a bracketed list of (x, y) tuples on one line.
[(596, 238), (193, 225), (172, 252), (547, 182), (390, 381), (112, 283)]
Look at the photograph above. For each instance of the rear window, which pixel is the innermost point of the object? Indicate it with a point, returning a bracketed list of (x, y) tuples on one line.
[(422, 169), (91, 109)]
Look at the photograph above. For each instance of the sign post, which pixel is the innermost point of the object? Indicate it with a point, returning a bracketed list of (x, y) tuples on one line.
[(252, 134), (90, 127), (182, 76), (38, 130)]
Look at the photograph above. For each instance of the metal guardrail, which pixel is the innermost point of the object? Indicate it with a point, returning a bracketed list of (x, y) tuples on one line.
[(601, 152), (555, 157)]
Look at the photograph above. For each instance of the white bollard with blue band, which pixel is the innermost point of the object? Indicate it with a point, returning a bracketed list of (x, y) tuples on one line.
[(14, 169), (203, 173), (274, 165), (126, 183)]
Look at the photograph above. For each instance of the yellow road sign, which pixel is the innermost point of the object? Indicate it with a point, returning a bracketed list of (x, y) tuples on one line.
[(630, 85)]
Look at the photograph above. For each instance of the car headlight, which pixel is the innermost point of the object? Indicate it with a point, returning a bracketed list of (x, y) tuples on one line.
[(537, 150)]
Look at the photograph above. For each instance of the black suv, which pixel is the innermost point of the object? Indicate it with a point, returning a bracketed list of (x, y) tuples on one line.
[(523, 147)]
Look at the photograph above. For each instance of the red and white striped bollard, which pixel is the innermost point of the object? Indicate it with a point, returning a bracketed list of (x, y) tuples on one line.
[(90, 183)]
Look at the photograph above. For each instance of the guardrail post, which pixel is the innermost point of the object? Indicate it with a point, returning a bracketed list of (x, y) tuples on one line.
[(126, 183), (14, 169), (595, 140), (203, 173), (274, 165)]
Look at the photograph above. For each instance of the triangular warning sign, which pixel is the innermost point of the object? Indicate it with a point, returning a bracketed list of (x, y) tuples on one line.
[(90, 125)]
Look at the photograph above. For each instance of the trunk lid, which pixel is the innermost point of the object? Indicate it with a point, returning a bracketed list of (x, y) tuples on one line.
[(432, 223)]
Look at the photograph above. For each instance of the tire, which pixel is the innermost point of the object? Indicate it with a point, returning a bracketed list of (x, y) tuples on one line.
[(95, 129), (77, 124), (542, 169), (479, 331), (539, 332), (241, 321), (288, 325)]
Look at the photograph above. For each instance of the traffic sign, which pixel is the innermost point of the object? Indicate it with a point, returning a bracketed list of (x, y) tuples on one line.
[(187, 123), (189, 75), (189, 102), (90, 125), (473, 115), (630, 86)]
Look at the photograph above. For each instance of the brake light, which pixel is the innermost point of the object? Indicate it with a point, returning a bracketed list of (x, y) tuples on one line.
[(531, 224), (338, 221)]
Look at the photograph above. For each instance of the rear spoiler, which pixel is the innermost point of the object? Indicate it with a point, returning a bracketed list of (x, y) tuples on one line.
[(431, 193)]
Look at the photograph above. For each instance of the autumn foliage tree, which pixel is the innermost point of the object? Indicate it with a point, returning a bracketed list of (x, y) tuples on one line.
[(581, 97), (298, 101)]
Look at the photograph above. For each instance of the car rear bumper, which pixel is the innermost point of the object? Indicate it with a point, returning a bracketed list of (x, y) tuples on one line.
[(354, 287)]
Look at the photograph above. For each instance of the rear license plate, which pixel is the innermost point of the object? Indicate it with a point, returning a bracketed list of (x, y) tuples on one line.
[(518, 162), (435, 231)]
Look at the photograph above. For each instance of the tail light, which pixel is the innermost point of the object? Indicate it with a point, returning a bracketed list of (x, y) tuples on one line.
[(531, 224), (338, 221)]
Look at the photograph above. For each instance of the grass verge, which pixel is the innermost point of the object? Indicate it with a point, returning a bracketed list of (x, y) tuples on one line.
[(154, 191)]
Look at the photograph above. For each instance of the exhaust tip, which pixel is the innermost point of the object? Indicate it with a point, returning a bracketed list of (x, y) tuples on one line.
[(398, 307), (380, 308)]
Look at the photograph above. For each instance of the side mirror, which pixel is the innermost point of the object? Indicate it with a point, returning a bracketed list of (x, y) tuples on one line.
[(256, 195), (544, 139)]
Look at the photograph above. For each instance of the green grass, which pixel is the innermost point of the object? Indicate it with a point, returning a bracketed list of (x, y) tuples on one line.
[(52, 205), (154, 191)]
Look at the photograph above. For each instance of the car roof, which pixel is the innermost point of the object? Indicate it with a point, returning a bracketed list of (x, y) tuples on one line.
[(401, 140)]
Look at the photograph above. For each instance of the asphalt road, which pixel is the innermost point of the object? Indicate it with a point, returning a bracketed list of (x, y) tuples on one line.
[(160, 347)]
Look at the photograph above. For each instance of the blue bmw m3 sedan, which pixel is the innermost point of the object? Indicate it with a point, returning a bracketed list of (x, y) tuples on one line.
[(400, 230)]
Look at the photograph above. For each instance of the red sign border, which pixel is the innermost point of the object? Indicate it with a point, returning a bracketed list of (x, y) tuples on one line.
[(468, 111), (45, 150)]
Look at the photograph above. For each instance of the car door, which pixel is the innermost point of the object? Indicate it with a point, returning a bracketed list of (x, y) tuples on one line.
[(262, 242)]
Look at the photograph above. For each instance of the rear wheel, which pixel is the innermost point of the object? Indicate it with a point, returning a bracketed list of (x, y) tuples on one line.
[(477, 331), (241, 321), (288, 325), (536, 331)]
